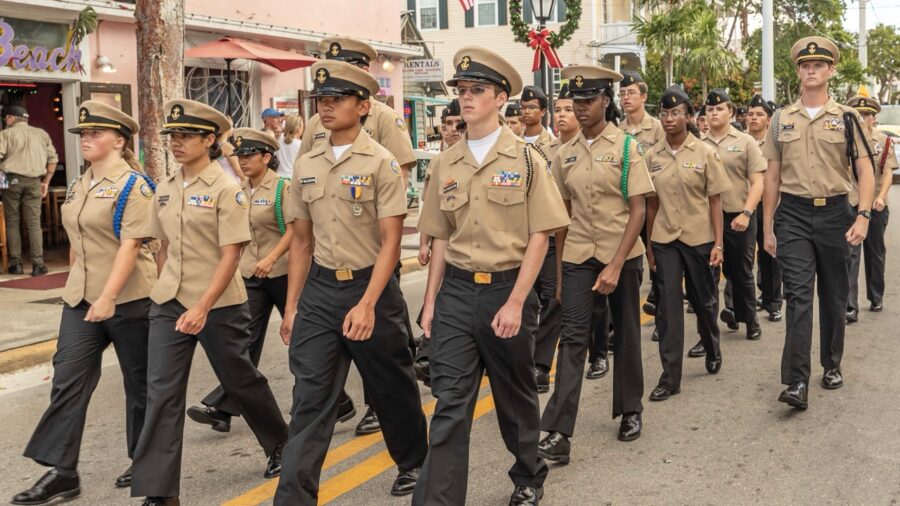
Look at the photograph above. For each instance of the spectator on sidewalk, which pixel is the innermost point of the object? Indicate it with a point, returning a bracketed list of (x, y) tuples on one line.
[(273, 122), (289, 145)]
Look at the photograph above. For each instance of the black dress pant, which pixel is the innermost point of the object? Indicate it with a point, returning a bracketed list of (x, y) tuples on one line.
[(578, 304), (814, 254), (549, 322), (320, 358), (874, 250), (676, 261), (263, 295), (76, 371), (598, 346), (738, 268), (463, 346), (226, 341), (769, 277)]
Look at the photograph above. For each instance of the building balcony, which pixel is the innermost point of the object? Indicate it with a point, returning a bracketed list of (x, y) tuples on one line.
[(616, 37)]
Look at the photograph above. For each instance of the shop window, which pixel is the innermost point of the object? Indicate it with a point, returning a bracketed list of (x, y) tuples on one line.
[(428, 14), (209, 86)]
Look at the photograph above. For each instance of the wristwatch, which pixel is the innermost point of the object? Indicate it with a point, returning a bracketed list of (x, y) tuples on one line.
[(865, 214), (747, 213), (720, 248)]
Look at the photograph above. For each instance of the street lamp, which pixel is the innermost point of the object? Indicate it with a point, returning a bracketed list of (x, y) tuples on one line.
[(542, 15)]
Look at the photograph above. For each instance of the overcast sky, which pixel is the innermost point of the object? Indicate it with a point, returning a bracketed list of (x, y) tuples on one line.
[(877, 11)]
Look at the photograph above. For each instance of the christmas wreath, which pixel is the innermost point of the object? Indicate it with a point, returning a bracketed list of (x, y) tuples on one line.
[(556, 39)]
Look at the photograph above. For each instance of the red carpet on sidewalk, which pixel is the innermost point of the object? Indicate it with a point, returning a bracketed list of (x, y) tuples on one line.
[(46, 282)]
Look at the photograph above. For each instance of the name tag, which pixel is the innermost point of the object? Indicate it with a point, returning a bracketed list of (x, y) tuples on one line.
[(656, 168), (787, 126), (307, 180), (201, 201), (320, 135), (162, 200), (449, 186), (355, 180), (506, 178), (735, 149), (108, 192), (571, 159), (262, 202)]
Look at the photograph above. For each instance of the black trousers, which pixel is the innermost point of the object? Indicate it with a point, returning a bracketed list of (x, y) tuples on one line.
[(463, 345), (874, 249), (769, 276), (549, 322), (320, 358), (814, 254), (263, 295), (226, 341), (738, 268), (598, 346), (676, 261), (76, 371), (577, 306)]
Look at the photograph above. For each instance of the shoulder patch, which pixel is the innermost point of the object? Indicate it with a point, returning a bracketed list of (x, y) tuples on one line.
[(395, 167), (401, 124), (241, 199), (146, 191)]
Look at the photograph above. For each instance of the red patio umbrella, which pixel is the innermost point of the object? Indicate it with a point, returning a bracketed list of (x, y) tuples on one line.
[(230, 49)]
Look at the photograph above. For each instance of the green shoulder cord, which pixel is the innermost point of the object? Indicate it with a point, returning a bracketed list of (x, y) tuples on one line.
[(626, 164), (279, 211)]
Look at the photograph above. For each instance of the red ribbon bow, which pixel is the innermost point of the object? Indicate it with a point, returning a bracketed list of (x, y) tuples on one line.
[(538, 41)]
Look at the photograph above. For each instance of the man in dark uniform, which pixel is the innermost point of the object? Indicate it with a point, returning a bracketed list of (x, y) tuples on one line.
[(814, 225)]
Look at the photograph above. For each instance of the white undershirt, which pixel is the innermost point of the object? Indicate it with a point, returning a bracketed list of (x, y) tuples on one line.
[(531, 139), (480, 147), (812, 111), (339, 151)]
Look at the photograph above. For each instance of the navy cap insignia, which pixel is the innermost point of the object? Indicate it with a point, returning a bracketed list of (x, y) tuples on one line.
[(322, 76), (335, 48), (177, 111), (238, 141), (812, 47), (579, 81), (83, 114), (464, 63)]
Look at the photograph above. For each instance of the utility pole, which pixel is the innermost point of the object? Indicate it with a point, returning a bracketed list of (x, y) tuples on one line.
[(863, 42), (768, 49)]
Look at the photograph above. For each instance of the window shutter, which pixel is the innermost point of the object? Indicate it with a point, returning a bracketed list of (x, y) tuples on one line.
[(470, 17), (529, 16), (442, 7), (502, 12), (561, 10)]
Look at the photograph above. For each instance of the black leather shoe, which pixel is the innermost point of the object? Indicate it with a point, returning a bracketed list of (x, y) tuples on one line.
[(273, 467), (124, 479), (555, 448), (690, 308), (51, 486), (796, 395), (775, 316), (876, 307), (543, 379), (754, 331), (346, 410), (661, 393), (630, 427), (39, 270), (369, 423), (759, 303), (852, 316), (161, 501), (598, 369), (649, 308), (713, 366), (833, 379), (526, 496), (15, 269), (405, 482), (727, 317), (655, 336), (220, 422), (697, 351)]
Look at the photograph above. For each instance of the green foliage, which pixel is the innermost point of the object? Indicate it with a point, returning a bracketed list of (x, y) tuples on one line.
[(884, 58), (520, 29)]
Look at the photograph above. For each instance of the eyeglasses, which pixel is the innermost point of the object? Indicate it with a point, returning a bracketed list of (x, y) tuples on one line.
[(629, 93), (476, 90), (671, 114)]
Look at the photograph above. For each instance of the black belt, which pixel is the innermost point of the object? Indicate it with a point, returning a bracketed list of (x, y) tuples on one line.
[(481, 278), (815, 202), (317, 271)]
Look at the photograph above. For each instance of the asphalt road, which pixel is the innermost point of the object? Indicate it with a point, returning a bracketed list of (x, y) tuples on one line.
[(724, 440)]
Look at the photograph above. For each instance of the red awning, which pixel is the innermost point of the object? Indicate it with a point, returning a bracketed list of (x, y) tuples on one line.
[(231, 49)]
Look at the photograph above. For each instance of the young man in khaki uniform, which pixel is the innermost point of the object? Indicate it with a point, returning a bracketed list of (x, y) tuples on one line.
[(874, 246), (387, 127), (348, 206), (490, 206), (814, 227), (745, 166), (533, 104), (513, 117), (29, 159)]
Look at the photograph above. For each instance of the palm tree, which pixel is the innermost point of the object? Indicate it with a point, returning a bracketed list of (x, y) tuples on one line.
[(84, 24), (706, 55), (663, 33)]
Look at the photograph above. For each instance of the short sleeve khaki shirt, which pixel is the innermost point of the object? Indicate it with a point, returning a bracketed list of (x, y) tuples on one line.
[(878, 141), (264, 232), (649, 132), (26, 150), (742, 157)]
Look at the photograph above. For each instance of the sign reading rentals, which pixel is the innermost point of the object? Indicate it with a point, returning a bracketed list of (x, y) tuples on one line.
[(423, 71), (36, 58)]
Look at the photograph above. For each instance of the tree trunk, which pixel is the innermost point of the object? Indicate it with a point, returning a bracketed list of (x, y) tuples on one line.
[(670, 60), (705, 84), (160, 57)]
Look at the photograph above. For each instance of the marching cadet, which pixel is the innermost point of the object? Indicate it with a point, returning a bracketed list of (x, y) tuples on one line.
[(513, 118), (490, 208), (684, 227), (387, 127), (702, 124), (759, 115), (603, 182), (263, 263), (744, 165), (348, 201), (201, 219), (873, 247), (533, 104), (107, 218), (450, 120), (814, 227)]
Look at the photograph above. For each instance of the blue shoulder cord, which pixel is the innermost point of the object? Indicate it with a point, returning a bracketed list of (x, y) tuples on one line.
[(123, 199)]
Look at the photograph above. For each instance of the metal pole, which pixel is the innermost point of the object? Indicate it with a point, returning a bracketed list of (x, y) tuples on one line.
[(228, 87), (768, 49), (863, 42)]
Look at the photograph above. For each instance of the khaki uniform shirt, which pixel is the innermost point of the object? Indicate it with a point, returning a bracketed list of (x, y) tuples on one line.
[(87, 216), (345, 198), (813, 150), (544, 139), (877, 140), (197, 219), (649, 132), (383, 124), (26, 151), (264, 231), (742, 157), (684, 182), (485, 211), (590, 176)]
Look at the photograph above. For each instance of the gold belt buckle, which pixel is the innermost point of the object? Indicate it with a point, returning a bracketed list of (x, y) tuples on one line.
[(819, 202), (343, 275), (482, 278)]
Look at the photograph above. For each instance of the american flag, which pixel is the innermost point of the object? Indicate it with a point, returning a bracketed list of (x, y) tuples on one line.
[(467, 4)]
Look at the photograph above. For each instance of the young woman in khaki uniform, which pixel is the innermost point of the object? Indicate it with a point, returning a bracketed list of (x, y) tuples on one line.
[(684, 227), (201, 218), (107, 218)]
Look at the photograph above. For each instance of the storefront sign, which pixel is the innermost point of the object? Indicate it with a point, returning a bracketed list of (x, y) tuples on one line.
[(423, 71), (36, 58)]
